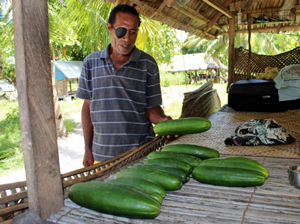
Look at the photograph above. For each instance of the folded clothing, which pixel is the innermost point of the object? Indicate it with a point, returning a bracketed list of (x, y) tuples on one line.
[(260, 132), (288, 83)]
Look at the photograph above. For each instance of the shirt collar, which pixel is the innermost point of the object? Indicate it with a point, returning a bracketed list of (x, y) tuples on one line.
[(135, 56)]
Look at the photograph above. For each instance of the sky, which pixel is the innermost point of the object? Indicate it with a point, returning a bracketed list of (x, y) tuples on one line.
[(181, 35)]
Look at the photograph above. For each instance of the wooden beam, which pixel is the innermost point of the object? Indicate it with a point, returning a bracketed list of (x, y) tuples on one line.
[(219, 8), (192, 29), (170, 3), (37, 118), (270, 29), (217, 15), (264, 25), (249, 44), (265, 10), (160, 8), (231, 51), (194, 15)]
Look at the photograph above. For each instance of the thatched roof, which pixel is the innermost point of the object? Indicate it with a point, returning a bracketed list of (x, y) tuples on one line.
[(210, 18), (194, 62)]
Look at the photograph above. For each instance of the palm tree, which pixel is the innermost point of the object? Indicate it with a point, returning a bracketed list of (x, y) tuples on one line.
[(87, 19), (6, 41), (261, 43)]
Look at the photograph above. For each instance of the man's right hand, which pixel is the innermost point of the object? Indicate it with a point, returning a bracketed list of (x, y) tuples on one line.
[(88, 158)]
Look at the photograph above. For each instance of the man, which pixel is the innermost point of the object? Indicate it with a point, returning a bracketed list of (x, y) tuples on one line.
[(121, 91)]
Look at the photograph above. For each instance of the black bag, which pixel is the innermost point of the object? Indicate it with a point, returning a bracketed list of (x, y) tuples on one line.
[(255, 95)]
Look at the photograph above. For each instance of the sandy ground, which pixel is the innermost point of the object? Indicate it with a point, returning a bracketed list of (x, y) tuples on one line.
[(71, 148)]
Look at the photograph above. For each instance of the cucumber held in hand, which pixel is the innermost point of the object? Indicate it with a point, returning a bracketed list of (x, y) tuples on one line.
[(237, 162), (182, 126), (193, 150), (228, 176), (114, 200)]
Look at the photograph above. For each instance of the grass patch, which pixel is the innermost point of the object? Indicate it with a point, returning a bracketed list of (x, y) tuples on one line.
[(70, 124), (11, 154), (70, 107), (174, 109)]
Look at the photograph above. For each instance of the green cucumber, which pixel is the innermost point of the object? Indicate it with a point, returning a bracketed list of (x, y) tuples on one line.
[(151, 194), (192, 160), (142, 183), (182, 126), (168, 181), (193, 150), (182, 174), (171, 162), (237, 162), (114, 200), (228, 176)]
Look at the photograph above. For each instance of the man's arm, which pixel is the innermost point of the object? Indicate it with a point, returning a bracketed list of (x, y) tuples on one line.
[(88, 133), (156, 115)]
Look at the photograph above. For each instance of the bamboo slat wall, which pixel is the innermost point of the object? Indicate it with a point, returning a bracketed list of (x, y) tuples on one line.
[(258, 62)]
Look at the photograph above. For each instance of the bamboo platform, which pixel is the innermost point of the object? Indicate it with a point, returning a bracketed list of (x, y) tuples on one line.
[(274, 202), (225, 121)]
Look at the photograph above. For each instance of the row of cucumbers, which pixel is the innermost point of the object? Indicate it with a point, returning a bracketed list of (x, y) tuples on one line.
[(138, 191), (232, 171), (174, 164)]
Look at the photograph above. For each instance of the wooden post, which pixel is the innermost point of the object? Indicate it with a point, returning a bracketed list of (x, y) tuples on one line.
[(35, 96), (249, 43), (231, 51)]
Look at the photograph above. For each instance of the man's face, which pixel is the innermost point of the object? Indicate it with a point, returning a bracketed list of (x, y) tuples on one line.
[(125, 44)]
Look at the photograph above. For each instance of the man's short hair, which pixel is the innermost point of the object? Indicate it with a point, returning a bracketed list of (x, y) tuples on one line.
[(123, 8)]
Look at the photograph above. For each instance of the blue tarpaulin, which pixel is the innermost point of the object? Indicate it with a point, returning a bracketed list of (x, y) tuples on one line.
[(67, 69)]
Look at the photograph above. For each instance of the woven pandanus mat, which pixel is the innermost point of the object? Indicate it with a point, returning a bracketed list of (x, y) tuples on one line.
[(225, 123)]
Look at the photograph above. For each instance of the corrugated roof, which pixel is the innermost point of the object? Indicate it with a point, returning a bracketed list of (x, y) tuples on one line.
[(194, 62), (67, 69)]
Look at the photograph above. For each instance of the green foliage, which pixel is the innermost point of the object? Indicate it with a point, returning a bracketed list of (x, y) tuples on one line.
[(194, 44), (80, 31), (11, 156), (261, 43), (6, 44), (170, 79), (161, 47), (69, 124), (70, 107), (174, 109), (85, 22)]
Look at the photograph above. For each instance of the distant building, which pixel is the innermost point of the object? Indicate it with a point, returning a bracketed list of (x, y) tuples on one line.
[(65, 73)]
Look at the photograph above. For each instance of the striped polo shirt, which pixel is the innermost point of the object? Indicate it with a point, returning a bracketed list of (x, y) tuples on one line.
[(118, 100)]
